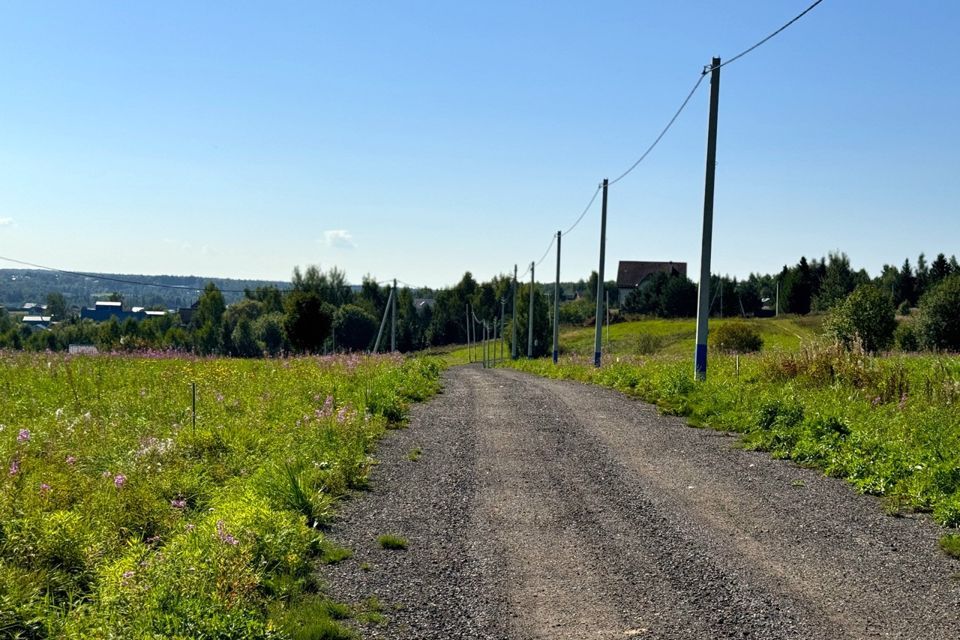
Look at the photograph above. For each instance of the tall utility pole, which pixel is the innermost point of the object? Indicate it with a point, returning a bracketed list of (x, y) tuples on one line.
[(383, 322), (530, 314), (703, 301), (603, 250), (469, 348), (513, 346), (777, 312), (556, 307), (393, 320)]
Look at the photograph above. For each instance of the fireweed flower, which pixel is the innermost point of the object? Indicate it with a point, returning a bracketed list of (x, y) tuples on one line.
[(71, 460), (178, 503), (223, 535), (14, 467), (24, 435), (44, 487), (119, 480)]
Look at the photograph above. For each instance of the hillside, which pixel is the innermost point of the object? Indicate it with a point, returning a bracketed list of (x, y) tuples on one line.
[(18, 286)]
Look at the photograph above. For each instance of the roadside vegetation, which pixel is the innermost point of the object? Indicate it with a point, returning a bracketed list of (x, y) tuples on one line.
[(119, 518), (844, 392)]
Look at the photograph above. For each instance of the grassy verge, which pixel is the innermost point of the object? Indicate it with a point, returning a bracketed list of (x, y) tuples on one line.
[(120, 518), (888, 425)]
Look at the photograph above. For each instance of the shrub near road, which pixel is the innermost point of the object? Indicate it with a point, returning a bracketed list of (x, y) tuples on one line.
[(888, 425), (120, 519)]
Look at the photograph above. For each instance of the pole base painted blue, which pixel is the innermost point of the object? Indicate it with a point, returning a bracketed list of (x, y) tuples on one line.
[(556, 356), (596, 358), (700, 362)]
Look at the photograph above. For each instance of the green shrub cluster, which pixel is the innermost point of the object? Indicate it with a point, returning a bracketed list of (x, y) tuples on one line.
[(736, 337), (120, 518)]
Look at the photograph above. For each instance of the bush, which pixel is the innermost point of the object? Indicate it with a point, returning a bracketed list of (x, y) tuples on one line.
[(736, 337), (905, 337), (938, 326), (866, 315), (904, 308)]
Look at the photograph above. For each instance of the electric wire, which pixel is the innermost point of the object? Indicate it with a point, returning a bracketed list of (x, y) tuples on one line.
[(585, 210), (676, 115), (710, 68), (96, 276)]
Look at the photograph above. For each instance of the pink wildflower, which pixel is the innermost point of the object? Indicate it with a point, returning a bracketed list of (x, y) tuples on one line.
[(119, 480), (71, 460), (903, 401), (223, 535), (44, 487), (342, 414), (14, 467), (178, 503), (24, 435)]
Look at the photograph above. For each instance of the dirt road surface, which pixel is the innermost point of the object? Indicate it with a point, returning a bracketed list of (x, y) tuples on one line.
[(547, 509)]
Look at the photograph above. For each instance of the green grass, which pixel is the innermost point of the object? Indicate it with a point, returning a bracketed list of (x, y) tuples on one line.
[(950, 543), (393, 542), (677, 337), (886, 424), (414, 454), (119, 518)]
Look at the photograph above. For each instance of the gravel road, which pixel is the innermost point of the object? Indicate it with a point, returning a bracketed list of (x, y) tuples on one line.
[(549, 509)]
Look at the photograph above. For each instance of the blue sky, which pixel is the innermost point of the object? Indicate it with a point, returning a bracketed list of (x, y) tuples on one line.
[(419, 140)]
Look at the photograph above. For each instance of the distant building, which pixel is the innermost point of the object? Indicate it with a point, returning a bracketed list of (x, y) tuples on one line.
[(631, 273), (37, 322), (33, 309), (82, 349), (103, 310)]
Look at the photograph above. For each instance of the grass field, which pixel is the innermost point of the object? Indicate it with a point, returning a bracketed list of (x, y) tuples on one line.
[(121, 519)]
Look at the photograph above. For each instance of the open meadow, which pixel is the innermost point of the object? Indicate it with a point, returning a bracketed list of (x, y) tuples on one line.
[(122, 517)]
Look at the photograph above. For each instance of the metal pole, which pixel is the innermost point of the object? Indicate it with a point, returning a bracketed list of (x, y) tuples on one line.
[(777, 313), (383, 322), (393, 320), (703, 302), (193, 410), (556, 306), (603, 248), (530, 315), (469, 350), (513, 346), (483, 343)]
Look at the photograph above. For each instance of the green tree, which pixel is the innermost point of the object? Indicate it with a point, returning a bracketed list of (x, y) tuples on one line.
[(354, 328), (866, 315), (542, 329), (207, 321), (938, 324), (56, 306), (308, 321), (269, 331), (838, 282), (244, 344)]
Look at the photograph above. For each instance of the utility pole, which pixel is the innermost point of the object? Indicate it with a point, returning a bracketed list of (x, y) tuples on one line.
[(556, 307), (603, 248), (383, 322), (469, 348), (721, 296), (483, 348), (393, 320), (777, 312), (530, 314), (703, 302), (513, 346)]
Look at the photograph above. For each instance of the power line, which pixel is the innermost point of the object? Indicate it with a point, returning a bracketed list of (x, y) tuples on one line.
[(676, 115), (709, 68), (585, 209), (96, 276)]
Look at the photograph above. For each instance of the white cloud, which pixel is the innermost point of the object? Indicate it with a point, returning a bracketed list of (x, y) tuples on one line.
[(6, 222), (339, 238)]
